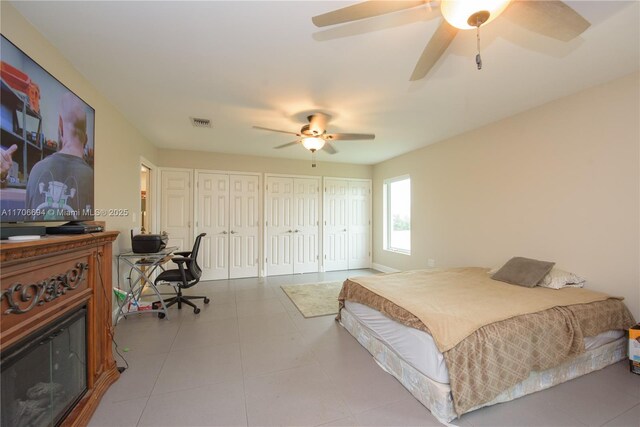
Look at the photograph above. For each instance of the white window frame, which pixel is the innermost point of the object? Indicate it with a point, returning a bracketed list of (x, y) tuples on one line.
[(386, 235)]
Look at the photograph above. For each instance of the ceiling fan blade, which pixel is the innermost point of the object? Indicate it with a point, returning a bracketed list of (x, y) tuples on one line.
[(349, 136), (288, 144), (329, 148), (551, 18), (367, 26), (318, 123), (366, 9), (275, 130), (439, 42)]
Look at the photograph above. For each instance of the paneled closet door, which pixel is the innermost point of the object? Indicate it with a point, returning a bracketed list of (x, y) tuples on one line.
[(244, 226), (359, 224), (306, 225), (336, 224), (279, 223), (175, 207), (213, 219)]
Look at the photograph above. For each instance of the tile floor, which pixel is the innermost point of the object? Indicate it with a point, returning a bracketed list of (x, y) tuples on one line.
[(250, 358)]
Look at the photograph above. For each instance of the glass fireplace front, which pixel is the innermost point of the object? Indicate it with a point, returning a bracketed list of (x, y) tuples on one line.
[(44, 376)]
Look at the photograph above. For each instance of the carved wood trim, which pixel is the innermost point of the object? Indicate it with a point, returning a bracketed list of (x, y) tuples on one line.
[(16, 333), (43, 291)]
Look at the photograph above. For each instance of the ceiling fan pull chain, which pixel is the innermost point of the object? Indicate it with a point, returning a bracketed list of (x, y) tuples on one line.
[(478, 58), (313, 159)]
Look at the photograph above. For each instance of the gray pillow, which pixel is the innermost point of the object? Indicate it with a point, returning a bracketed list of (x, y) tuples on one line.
[(523, 271)]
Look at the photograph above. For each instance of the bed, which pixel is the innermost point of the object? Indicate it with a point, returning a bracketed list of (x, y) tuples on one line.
[(458, 340)]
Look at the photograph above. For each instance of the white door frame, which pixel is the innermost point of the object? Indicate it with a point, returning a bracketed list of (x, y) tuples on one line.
[(261, 266), (153, 199), (370, 181), (263, 261)]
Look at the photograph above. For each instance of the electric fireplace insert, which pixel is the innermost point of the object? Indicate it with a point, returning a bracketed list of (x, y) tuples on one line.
[(45, 375)]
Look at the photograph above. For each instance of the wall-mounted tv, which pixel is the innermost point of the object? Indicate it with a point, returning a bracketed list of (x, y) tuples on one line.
[(46, 144)]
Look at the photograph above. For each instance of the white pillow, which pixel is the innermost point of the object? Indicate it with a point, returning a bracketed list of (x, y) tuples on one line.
[(558, 279), (555, 279)]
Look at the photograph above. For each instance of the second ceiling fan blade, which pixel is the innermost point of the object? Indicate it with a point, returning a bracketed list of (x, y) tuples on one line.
[(349, 136), (366, 9), (439, 42), (329, 148), (288, 144), (551, 18), (275, 130)]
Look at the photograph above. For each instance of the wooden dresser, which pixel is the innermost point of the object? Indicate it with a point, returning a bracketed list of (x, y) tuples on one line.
[(46, 279)]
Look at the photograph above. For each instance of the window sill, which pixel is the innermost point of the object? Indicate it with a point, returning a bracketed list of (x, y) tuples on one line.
[(398, 251)]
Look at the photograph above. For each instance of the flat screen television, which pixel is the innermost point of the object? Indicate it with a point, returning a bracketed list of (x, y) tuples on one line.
[(46, 143)]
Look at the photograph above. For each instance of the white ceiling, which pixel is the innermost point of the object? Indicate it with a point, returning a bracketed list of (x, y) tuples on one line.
[(264, 63)]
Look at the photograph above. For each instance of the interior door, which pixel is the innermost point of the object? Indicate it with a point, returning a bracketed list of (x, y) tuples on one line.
[(305, 225), (359, 243), (175, 207), (279, 223), (213, 219), (244, 226), (336, 224)]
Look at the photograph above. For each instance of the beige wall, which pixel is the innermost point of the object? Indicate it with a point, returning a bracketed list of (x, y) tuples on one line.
[(233, 162), (560, 182), (118, 145)]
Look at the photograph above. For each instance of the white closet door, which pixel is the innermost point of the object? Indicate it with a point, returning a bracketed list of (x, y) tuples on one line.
[(213, 219), (244, 226), (305, 225), (279, 217), (359, 224), (336, 223), (175, 207)]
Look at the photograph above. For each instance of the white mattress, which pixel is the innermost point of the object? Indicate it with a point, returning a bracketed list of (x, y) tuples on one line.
[(418, 348), (604, 338)]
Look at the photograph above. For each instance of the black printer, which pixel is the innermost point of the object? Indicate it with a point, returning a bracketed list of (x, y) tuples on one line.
[(148, 243)]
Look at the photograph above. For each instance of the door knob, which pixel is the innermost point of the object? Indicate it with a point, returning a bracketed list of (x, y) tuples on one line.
[(344, 229), (290, 231), (233, 232), (224, 232), (296, 231)]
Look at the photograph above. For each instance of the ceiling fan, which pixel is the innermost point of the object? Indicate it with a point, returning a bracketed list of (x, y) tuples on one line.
[(314, 136), (552, 18)]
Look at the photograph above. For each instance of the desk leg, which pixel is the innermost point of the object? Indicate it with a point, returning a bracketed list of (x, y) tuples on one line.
[(137, 287), (157, 292), (131, 293)]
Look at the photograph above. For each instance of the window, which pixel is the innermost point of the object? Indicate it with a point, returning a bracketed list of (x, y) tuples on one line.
[(397, 214)]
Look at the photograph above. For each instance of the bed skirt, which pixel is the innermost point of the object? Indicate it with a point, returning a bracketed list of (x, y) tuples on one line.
[(437, 396)]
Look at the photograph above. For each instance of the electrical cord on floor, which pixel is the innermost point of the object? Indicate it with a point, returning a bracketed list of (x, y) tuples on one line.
[(121, 369)]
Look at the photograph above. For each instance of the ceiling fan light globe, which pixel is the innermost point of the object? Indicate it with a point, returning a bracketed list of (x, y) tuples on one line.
[(458, 12), (313, 144)]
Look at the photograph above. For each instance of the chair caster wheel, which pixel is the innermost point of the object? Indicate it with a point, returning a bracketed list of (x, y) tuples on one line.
[(196, 310), (207, 300), (161, 315)]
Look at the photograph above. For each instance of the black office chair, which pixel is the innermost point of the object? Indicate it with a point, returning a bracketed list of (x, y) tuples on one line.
[(185, 276)]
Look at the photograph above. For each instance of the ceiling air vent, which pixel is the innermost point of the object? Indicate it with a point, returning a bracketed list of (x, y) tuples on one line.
[(200, 123)]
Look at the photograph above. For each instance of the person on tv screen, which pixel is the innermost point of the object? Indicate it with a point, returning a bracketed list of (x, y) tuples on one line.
[(60, 186)]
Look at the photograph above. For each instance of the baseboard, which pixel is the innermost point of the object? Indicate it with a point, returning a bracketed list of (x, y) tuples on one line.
[(383, 268), (114, 314)]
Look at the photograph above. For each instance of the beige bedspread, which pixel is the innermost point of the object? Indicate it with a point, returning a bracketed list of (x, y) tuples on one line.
[(454, 303), (491, 334)]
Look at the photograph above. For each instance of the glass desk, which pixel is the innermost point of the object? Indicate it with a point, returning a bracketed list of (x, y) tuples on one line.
[(142, 267)]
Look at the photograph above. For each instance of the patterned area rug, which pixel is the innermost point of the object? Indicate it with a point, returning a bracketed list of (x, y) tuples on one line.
[(315, 299)]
